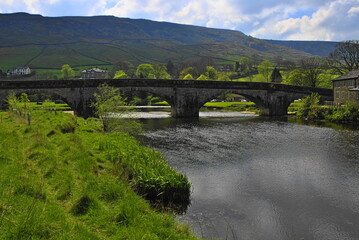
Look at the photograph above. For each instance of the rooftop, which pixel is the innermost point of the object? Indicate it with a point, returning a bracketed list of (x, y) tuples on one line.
[(349, 75)]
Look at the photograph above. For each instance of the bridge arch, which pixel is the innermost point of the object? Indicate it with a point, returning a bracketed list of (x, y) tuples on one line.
[(159, 94), (273, 104), (43, 93)]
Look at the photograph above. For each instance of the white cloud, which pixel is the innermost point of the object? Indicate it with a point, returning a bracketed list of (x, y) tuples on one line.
[(260, 18), (353, 11), (6, 3), (276, 19), (330, 22)]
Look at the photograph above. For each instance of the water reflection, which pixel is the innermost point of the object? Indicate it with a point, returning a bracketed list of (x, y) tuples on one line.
[(258, 178)]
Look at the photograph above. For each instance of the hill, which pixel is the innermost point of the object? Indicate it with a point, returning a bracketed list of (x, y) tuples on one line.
[(50, 42), (319, 48)]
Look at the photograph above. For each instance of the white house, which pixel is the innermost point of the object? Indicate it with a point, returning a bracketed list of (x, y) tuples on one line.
[(94, 73), (19, 71)]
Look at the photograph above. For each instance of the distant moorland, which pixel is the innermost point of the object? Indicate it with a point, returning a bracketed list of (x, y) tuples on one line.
[(49, 42)]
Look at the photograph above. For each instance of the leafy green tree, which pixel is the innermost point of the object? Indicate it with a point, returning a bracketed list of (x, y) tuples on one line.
[(224, 76), (125, 66), (24, 99), (109, 106), (310, 73), (245, 66), (67, 72), (203, 77), (295, 78), (188, 77), (120, 75), (145, 71), (310, 109), (13, 102), (189, 70), (265, 69), (160, 71), (211, 73), (20, 105)]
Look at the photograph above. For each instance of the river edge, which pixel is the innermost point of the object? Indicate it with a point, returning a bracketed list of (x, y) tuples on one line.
[(200, 214), (59, 164)]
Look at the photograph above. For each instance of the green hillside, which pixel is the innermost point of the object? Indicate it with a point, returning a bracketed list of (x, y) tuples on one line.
[(50, 42), (320, 48)]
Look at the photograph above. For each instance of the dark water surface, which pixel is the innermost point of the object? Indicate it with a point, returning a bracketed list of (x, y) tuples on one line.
[(259, 178)]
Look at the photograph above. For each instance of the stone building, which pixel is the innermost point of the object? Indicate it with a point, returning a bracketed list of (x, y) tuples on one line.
[(94, 73), (19, 71), (346, 88)]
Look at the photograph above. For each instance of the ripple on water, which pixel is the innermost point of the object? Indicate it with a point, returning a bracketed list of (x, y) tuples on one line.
[(256, 178)]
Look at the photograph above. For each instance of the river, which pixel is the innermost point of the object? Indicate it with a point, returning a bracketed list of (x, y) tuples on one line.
[(263, 178)]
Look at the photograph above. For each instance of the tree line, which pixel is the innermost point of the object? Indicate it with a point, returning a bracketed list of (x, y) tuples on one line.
[(312, 71)]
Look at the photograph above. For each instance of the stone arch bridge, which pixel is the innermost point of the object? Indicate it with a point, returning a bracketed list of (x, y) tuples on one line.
[(186, 97)]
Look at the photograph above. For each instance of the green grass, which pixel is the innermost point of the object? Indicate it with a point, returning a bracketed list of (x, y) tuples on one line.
[(53, 72), (162, 103), (47, 106), (56, 56), (17, 56), (252, 78), (62, 178)]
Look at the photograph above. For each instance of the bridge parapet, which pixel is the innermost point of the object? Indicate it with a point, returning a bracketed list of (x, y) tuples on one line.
[(185, 96)]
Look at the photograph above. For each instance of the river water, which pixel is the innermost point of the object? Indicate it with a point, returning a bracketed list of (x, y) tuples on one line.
[(260, 178)]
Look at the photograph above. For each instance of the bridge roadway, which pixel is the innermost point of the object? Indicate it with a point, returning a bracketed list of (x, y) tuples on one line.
[(186, 97)]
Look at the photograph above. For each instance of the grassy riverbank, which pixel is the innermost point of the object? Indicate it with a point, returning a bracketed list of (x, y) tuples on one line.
[(62, 178), (231, 107)]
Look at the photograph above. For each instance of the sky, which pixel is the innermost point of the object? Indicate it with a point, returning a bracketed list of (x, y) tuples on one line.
[(327, 20)]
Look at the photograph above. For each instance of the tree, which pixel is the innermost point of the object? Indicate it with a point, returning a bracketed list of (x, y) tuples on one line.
[(120, 75), (236, 67), (308, 74), (24, 99), (109, 106), (170, 67), (159, 70), (188, 77), (211, 73), (199, 64), (310, 109), (245, 66), (125, 66), (265, 69), (13, 102), (223, 76), (190, 70), (312, 68), (145, 71), (276, 76), (295, 77), (20, 105), (203, 77), (345, 57), (67, 72)]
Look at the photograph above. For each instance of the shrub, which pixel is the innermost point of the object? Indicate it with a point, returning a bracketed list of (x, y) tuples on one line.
[(347, 113)]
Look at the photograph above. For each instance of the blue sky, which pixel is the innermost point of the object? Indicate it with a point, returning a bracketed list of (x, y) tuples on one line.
[(330, 20)]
